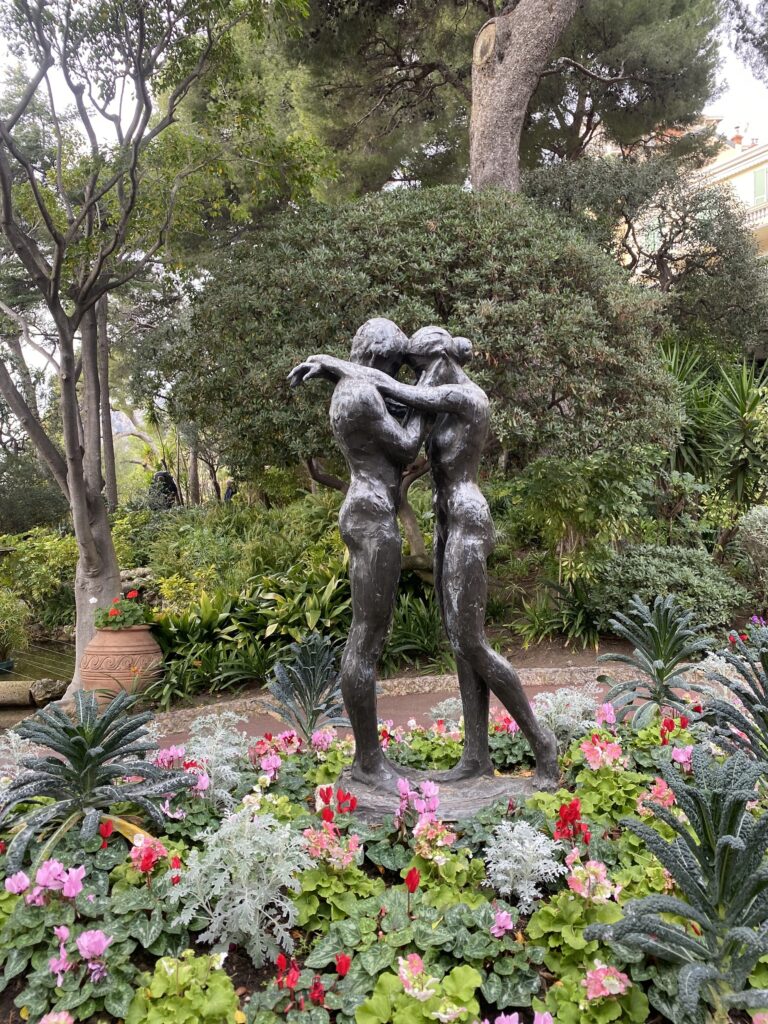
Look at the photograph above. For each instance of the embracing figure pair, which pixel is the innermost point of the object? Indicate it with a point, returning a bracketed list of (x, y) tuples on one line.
[(445, 408)]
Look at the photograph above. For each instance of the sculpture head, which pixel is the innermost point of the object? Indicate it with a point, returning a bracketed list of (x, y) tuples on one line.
[(381, 344), (430, 343)]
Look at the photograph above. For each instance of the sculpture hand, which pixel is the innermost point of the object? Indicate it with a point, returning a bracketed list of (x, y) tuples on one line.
[(305, 371)]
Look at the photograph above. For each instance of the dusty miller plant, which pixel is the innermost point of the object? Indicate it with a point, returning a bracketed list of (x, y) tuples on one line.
[(569, 712), (518, 858), (449, 711), (717, 859), (216, 741), (240, 881)]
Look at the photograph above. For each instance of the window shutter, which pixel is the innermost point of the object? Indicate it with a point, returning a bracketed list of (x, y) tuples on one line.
[(760, 186)]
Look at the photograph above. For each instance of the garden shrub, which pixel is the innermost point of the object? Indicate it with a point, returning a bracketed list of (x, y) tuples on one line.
[(752, 541), (240, 881), (40, 569), (564, 342), (652, 571), (518, 858), (14, 616)]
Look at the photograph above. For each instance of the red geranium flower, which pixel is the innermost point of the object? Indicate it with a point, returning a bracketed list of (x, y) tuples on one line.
[(342, 964), (412, 880), (131, 594), (116, 600), (113, 613)]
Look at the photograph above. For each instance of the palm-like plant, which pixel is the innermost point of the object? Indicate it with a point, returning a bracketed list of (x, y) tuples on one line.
[(743, 725), (305, 691), (664, 642), (95, 761), (717, 859)]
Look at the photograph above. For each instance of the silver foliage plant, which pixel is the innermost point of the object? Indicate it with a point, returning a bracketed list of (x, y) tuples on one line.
[(240, 884), (518, 859), (569, 712), (449, 711), (216, 741)]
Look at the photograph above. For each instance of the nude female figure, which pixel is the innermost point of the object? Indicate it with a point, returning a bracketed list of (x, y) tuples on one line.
[(377, 448), (464, 536)]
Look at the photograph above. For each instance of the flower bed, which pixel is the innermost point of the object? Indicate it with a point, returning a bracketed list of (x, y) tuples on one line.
[(524, 913)]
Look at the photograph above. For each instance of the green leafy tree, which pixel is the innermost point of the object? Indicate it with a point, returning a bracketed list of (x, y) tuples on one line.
[(390, 84), (674, 232), (564, 343), (101, 211)]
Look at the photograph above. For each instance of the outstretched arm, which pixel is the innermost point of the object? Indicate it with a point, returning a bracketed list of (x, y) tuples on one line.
[(455, 398)]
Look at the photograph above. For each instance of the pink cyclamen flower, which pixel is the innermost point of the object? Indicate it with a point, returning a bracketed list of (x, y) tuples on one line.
[(606, 715), (59, 965), (270, 765), (36, 898), (542, 1018), (603, 981), (61, 933), (202, 784), (73, 882), (502, 924), (682, 756), (58, 1017), (17, 883), (167, 757), (50, 875), (322, 739), (93, 944), (599, 753), (508, 1018)]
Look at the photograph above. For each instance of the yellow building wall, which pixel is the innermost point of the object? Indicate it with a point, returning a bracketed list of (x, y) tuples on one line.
[(747, 173)]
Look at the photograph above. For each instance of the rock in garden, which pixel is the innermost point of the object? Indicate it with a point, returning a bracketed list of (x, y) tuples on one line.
[(44, 691)]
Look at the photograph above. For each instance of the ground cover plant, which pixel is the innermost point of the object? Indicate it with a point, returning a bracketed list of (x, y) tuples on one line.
[(250, 889)]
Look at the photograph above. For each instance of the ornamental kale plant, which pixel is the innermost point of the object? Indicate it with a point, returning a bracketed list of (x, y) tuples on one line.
[(742, 724), (305, 690), (665, 642), (518, 858), (717, 860), (86, 771), (239, 884)]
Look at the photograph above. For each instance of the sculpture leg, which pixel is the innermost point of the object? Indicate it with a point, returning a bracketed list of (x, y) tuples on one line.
[(475, 697), (374, 571), (465, 588)]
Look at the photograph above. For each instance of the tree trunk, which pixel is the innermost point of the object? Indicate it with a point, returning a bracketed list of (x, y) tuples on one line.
[(97, 583), (107, 440), (510, 53), (97, 578), (418, 558), (193, 474)]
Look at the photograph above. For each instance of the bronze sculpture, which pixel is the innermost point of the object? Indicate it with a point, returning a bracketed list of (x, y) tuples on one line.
[(464, 532)]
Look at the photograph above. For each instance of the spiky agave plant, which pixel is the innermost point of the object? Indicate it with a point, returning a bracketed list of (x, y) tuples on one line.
[(717, 860), (305, 691), (743, 725), (665, 642), (95, 761)]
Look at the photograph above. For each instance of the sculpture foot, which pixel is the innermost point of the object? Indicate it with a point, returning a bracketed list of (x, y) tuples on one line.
[(467, 768), (547, 776), (382, 775)]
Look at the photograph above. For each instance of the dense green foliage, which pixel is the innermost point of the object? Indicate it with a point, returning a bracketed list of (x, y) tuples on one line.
[(564, 343)]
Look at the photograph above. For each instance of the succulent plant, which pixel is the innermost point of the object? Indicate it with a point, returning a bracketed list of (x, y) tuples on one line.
[(665, 642), (717, 859), (91, 763)]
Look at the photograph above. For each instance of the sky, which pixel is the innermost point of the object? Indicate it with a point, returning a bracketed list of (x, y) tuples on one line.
[(743, 102)]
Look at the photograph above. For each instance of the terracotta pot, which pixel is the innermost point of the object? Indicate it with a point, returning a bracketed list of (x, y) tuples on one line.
[(121, 659)]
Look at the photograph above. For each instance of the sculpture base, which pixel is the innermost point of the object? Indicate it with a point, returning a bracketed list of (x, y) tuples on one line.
[(458, 800)]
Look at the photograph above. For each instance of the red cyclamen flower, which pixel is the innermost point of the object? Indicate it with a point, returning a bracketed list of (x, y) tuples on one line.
[(342, 964), (317, 991), (106, 828), (412, 880)]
